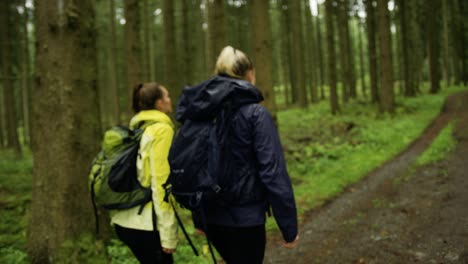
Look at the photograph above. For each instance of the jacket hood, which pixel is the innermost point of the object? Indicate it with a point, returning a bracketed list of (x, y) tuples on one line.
[(203, 101), (149, 116)]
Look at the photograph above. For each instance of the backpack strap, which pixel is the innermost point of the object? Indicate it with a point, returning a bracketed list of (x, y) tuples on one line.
[(144, 124), (93, 200)]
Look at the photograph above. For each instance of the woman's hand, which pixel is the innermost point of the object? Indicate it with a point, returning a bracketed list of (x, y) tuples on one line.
[(168, 250), (200, 232), (292, 244)]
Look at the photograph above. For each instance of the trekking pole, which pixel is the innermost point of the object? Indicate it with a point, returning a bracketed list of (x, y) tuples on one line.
[(184, 231)]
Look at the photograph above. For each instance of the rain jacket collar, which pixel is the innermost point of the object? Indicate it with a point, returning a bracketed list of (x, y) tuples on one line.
[(153, 116), (205, 100)]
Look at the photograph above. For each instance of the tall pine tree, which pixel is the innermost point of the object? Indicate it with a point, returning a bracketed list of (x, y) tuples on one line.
[(65, 126)]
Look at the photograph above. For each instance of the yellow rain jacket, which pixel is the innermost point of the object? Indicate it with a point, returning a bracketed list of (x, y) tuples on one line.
[(153, 170)]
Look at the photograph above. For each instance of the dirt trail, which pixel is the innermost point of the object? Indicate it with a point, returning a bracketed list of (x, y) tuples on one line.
[(396, 214)]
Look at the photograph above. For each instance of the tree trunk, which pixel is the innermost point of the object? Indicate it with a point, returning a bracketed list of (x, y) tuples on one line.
[(286, 54), (209, 53), (262, 55), (351, 76), (331, 57), (463, 13), (132, 48), (413, 43), (198, 46), (342, 22), (244, 39), (371, 42), (306, 51), (456, 36), (145, 36), (285, 58), (113, 91), (404, 46), (188, 30), (2, 114), (151, 32), (433, 32), (170, 56), (310, 47), (237, 29), (7, 73), (446, 47), (66, 127), (321, 67), (398, 50), (361, 60), (27, 78), (277, 67), (385, 52), (218, 29), (102, 53), (298, 73)]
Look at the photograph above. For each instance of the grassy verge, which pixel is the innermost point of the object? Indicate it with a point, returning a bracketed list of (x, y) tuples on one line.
[(324, 153), (442, 144)]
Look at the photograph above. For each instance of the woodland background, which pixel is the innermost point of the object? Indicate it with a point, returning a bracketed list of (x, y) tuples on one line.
[(350, 82)]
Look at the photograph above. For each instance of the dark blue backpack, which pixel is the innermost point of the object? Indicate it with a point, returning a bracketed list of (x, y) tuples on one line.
[(198, 159)]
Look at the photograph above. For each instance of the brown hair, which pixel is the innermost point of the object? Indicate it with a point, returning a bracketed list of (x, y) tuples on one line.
[(233, 62), (145, 95)]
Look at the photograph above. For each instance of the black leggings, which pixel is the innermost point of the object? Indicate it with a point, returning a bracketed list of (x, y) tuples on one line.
[(145, 245), (239, 245)]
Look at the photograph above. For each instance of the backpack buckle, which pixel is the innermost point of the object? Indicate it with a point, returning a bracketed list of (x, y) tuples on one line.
[(216, 188), (166, 194), (198, 196)]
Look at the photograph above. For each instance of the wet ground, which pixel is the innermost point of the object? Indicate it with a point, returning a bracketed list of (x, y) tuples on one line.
[(399, 213)]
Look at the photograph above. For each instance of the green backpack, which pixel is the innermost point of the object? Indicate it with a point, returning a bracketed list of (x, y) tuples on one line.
[(113, 179)]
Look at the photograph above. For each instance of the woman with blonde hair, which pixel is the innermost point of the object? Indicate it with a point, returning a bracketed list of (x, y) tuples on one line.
[(255, 163)]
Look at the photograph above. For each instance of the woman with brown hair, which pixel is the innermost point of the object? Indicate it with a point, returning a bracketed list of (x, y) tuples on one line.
[(152, 233)]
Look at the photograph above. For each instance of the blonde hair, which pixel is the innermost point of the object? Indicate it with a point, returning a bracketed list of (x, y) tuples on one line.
[(233, 62)]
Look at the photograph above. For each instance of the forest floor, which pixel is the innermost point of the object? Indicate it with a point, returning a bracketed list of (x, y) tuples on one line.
[(400, 213)]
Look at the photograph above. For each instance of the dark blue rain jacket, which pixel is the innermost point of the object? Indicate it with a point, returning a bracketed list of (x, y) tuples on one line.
[(257, 157)]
